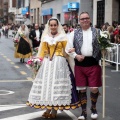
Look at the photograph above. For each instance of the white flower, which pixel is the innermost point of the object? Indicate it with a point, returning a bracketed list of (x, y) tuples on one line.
[(104, 34)]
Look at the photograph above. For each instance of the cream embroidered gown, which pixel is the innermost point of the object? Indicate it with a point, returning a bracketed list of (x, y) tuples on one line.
[(52, 86)]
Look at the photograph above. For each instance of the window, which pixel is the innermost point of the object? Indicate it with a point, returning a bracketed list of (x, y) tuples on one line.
[(13, 3), (100, 12), (119, 13)]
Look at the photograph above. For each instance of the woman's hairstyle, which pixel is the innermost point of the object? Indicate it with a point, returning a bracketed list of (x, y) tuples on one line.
[(26, 28), (110, 29), (53, 19)]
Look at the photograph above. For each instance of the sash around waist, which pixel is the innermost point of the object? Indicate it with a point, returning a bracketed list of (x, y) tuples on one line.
[(87, 62)]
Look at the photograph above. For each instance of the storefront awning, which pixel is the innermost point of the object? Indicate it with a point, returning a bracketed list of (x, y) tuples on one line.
[(47, 12)]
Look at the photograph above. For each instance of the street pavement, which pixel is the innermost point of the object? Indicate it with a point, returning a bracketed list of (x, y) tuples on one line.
[(16, 82)]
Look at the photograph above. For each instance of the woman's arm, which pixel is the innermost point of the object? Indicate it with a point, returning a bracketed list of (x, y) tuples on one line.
[(44, 50)]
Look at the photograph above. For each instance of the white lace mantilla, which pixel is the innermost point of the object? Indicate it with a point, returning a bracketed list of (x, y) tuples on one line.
[(52, 85)]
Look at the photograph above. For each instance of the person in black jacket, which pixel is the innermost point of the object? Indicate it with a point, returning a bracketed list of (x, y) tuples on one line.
[(35, 36)]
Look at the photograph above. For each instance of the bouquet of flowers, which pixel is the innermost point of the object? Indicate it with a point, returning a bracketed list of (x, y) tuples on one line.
[(104, 43), (16, 41), (34, 63), (21, 34), (36, 49), (104, 40)]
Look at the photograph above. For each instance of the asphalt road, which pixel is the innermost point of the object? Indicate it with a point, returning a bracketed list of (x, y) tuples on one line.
[(16, 82)]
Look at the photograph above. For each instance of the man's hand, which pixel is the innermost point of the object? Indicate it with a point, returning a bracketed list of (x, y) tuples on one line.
[(35, 38), (80, 58)]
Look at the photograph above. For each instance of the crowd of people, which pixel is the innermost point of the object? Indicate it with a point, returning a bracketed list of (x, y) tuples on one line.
[(70, 63), (113, 31)]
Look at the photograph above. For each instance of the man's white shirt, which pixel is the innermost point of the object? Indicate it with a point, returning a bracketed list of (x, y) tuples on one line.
[(86, 48), (37, 34)]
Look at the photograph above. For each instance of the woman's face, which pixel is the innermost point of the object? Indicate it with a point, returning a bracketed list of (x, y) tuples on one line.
[(23, 27), (53, 26)]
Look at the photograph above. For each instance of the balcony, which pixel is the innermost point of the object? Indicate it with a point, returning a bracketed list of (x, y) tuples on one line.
[(5, 3), (12, 10), (5, 9), (45, 1)]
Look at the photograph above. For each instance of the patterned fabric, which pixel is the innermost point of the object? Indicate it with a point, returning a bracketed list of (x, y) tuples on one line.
[(83, 99), (54, 87), (78, 41), (94, 97)]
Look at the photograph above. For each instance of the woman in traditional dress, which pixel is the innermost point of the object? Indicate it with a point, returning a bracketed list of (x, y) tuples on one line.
[(23, 48), (53, 87)]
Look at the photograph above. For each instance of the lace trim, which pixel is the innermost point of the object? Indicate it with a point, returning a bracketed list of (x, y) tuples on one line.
[(45, 79), (53, 41), (62, 107), (56, 102)]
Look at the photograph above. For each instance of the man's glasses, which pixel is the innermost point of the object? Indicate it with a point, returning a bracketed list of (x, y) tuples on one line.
[(87, 18)]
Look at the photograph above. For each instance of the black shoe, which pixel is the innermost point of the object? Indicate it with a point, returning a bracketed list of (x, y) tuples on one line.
[(21, 60), (83, 116), (94, 114)]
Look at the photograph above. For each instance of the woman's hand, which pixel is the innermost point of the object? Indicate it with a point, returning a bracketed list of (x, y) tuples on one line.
[(71, 50)]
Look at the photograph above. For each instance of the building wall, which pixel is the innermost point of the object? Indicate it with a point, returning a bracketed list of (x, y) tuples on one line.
[(26, 3), (85, 5), (108, 11), (111, 11), (35, 8), (115, 7), (57, 7), (1, 8)]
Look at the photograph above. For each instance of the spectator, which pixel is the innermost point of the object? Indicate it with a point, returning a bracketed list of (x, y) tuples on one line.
[(23, 49), (35, 36), (110, 30)]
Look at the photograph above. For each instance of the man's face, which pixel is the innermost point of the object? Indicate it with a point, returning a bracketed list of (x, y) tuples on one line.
[(85, 20), (65, 28), (118, 27), (36, 27)]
